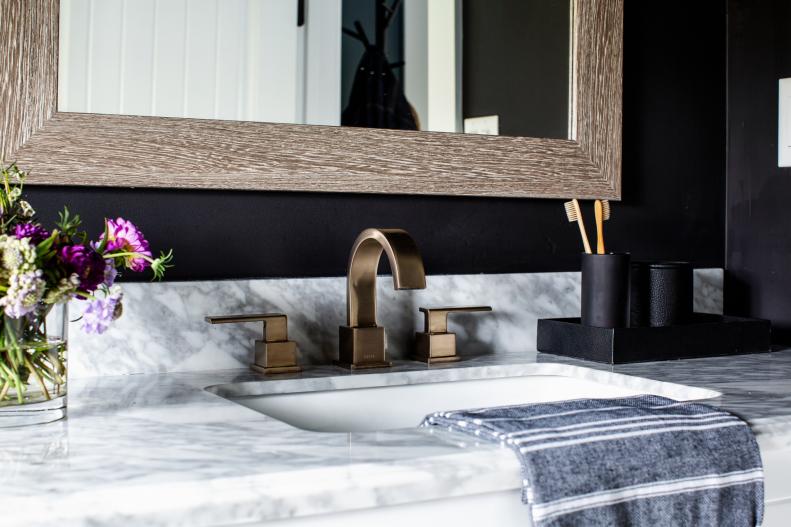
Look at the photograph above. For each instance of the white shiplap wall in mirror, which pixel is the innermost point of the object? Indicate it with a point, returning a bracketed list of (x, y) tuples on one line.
[(211, 59)]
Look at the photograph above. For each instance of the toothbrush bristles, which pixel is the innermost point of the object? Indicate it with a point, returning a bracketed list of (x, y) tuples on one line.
[(571, 211), (605, 209)]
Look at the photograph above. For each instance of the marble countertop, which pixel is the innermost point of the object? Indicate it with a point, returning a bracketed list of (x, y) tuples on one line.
[(162, 450)]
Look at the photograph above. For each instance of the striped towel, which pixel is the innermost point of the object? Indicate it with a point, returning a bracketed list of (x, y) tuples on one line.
[(641, 461)]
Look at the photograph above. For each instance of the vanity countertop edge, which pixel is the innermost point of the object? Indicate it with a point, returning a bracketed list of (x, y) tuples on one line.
[(162, 449)]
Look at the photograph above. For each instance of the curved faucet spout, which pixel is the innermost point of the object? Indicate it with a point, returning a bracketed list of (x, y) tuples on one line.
[(405, 262)]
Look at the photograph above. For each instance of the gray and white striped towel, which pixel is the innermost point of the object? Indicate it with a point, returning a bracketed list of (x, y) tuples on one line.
[(641, 461)]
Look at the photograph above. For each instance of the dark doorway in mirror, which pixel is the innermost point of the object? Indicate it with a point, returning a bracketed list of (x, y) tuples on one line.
[(375, 94)]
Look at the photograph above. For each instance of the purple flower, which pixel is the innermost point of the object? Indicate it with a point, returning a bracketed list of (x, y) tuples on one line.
[(123, 236), (101, 312), (110, 273), (36, 233), (86, 263)]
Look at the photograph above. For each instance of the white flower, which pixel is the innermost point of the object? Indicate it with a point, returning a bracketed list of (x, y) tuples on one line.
[(63, 291), (27, 209), (19, 256), (24, 293)]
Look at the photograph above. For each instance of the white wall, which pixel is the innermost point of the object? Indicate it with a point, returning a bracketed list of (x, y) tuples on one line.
[(415, 57), (323, 62), (213, 59), (432, 51)]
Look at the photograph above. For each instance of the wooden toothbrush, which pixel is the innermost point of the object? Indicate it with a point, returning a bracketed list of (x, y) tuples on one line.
[(575, 214), (602, 208)]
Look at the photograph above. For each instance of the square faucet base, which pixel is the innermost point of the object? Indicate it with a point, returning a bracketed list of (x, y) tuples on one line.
[(363, 366), (278, 369), (362, 348)]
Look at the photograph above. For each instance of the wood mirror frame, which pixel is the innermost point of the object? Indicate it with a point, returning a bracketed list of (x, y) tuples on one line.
[(60, 148)]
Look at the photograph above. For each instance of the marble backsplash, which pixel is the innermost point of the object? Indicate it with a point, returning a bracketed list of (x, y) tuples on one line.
[(163, 328)]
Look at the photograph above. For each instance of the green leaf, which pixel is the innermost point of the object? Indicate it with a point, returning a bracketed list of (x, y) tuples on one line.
[(162, 264), (45, 246), (105, 239), (67, 223)]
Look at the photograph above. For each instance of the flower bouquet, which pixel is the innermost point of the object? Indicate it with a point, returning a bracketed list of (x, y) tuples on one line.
[(41, 270)]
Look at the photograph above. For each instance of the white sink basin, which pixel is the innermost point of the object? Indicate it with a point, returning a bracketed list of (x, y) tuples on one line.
[(388, 407)]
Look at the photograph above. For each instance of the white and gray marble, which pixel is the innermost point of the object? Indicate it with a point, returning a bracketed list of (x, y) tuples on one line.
[(163, 328), (162, 450)]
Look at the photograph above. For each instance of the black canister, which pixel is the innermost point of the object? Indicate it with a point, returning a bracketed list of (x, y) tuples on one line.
[(661, 293), (605, 290)]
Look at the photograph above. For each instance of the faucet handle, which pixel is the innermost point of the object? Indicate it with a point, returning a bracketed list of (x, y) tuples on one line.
[(437, 317), (274, 353), (435, 344)]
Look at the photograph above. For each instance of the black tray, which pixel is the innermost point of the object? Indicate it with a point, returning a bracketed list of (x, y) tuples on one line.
[(705, 336)]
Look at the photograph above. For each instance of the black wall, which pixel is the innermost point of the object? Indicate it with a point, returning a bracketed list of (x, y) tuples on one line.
[(674, 136), (759, 193)]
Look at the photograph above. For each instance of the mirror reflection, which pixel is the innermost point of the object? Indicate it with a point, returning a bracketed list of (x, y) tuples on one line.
[(498, 67)]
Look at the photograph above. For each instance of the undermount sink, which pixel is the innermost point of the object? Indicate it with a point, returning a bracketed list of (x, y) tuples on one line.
[(374, 408)]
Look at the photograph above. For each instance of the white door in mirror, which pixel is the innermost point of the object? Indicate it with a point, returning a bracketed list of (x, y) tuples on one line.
[(784, 124)]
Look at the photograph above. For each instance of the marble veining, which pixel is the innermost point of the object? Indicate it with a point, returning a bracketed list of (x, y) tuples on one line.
[(163, 328), (163, 450)]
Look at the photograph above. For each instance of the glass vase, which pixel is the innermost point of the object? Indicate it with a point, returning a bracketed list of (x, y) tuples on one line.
[(33, 366)]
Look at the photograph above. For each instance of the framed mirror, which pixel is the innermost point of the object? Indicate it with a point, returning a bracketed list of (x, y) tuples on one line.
[(514, 98)]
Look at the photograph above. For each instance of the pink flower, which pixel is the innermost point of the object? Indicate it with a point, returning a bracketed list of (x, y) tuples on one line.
[(124, 237)]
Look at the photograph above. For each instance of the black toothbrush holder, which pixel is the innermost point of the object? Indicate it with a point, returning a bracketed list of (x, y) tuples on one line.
[(641, 312), (605, 290), (661, 294)]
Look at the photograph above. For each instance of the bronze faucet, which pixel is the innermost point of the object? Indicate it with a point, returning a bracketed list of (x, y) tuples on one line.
[(362, 342)]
